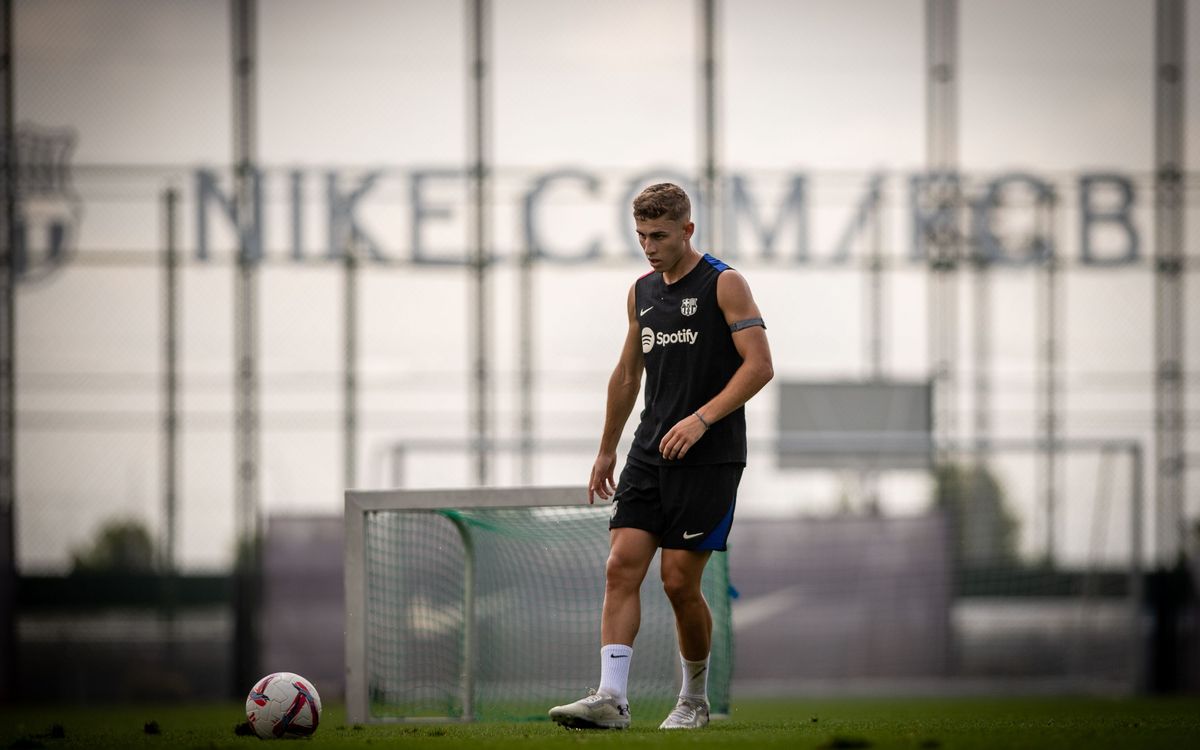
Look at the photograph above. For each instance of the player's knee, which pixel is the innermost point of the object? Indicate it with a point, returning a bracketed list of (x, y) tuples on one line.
[(621, 572), (680, 587)]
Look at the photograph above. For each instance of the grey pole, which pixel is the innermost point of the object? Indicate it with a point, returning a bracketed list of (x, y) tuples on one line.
[(874, 319), (350, 363), (941, 161), (1049, 303), (8, 366), (711, 196), (941, 155), (478, 107), (244, 14), (982, 366), (527, 374), (1169, 429), (171, 424), (982, 350), (1136, 513), (876, 335), (170, 378)]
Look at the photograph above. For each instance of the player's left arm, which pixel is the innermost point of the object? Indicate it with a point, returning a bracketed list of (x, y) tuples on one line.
[(738, 306), (756, 370)]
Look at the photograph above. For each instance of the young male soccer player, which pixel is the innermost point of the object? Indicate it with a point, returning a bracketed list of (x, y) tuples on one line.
[(696, 331)]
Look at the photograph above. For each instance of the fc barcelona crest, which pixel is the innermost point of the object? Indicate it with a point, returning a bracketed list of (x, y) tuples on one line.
[(48, 210), (689, 306)]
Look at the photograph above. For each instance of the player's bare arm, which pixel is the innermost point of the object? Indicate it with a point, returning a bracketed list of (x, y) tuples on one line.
[(756, 370), (623, 388)]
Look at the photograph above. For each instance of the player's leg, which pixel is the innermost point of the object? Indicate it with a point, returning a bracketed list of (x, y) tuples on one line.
[(630, 553), (633, 540), (700, 502), (629, 556), (635, 525), (682, 571)]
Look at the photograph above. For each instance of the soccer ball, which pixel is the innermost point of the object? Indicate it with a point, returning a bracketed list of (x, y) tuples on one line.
[(283, 704)]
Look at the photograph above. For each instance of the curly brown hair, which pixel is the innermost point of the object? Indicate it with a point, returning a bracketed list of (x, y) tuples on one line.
[(664, 199)]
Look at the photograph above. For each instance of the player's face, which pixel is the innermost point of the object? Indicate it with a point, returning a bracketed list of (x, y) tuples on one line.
[(664, 241)]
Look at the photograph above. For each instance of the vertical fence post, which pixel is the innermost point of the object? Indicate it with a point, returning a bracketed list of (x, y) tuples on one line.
[(170, 425), (1169, 389), (8, 361), (527, 365), (944, 240), (247, 212), (1138, 647), (478, 105), (350, 362), (1049, 305), (711, 195)]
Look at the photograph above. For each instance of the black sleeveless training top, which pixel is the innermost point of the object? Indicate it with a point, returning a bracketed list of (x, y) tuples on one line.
[(690, 357)]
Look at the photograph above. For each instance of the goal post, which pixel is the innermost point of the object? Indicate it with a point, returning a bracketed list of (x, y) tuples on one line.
[(484, 604)]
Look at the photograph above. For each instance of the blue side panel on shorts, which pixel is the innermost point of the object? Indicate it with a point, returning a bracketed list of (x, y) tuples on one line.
[(717, 538), (720, 265)]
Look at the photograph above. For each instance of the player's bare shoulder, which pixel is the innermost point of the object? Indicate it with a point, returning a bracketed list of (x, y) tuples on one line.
[(631, 305), (734, 296)]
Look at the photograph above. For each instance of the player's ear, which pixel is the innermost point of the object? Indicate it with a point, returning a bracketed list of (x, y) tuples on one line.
[(688, 229)]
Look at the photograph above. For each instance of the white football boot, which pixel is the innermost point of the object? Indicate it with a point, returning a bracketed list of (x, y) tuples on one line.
[(596, 711), (689, 713)]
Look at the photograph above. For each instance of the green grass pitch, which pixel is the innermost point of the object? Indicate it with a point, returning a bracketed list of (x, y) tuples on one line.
[(966, 723)]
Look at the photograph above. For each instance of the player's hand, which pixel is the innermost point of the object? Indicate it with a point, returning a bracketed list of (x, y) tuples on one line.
[(680, 438), (601, 482)]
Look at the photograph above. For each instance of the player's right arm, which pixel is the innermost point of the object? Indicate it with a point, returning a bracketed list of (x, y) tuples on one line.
[(623, 388)]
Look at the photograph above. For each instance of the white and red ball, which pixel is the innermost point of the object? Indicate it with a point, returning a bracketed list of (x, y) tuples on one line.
[(283, 704)]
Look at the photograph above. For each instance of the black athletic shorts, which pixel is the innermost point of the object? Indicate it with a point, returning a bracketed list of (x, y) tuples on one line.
[(686, 507)]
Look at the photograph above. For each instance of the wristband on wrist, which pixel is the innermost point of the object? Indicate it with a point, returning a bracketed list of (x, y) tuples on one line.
[(702, 420)]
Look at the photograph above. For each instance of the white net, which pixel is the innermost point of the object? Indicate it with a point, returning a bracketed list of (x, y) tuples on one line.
[(493, 613)]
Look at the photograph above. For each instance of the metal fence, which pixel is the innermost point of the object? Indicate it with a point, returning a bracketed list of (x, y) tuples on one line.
[(128, 366)]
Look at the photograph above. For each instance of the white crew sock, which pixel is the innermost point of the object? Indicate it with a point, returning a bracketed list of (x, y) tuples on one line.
[(614, 670), (695, 678)]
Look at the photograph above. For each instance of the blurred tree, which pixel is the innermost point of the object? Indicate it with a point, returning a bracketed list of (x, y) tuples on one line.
[(983, 529), (121, 546)]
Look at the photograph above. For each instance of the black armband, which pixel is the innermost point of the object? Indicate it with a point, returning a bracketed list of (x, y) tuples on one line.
[(747, 323)]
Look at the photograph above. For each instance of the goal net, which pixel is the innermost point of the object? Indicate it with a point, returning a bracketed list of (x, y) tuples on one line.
[(484, 604)]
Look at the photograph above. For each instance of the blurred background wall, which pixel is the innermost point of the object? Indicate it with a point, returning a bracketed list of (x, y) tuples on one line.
[(259, 252)]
